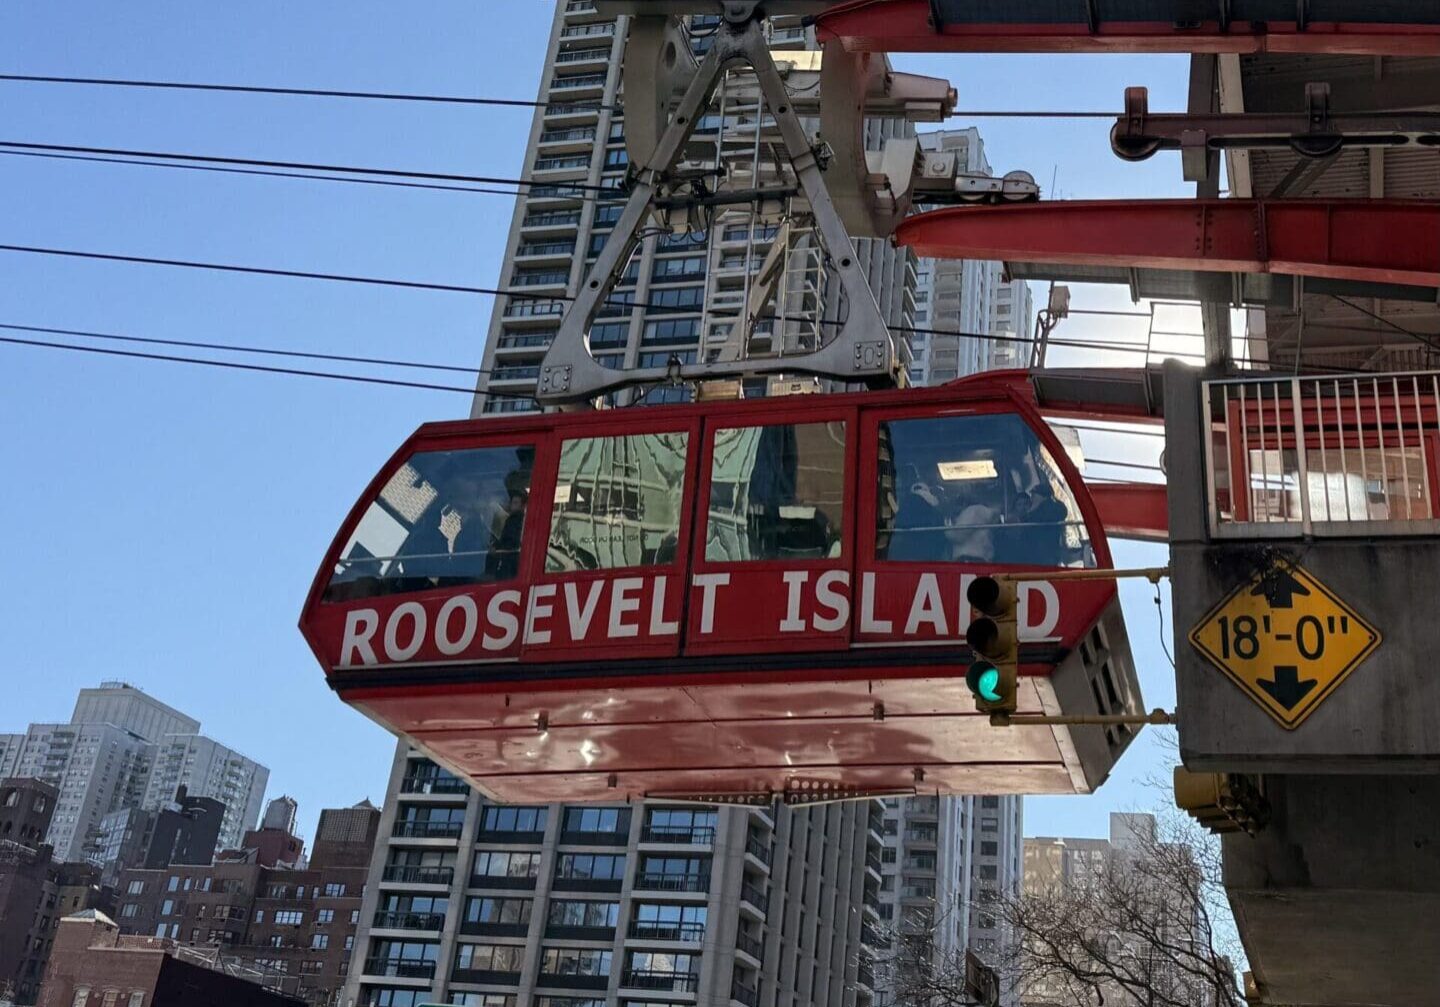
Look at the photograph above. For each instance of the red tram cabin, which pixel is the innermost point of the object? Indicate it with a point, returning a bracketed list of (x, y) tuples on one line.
[(737, 600)]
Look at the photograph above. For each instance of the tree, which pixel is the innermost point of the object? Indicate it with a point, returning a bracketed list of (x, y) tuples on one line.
[(1137, 923)]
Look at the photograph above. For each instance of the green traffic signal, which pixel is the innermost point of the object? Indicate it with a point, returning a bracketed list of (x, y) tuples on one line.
[(983, 678)]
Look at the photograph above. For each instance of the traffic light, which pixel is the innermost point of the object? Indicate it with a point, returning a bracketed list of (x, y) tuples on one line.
[(994, 644), (1222, 802)]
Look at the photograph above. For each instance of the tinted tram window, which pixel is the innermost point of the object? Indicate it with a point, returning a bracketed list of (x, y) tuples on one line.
[(974, 489), (776, 492), (445, 518), (617, 502)]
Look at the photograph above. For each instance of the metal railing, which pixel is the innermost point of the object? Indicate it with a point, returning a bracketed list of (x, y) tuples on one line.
[(433, 785), (1335, 455), (683, 835), (755, 897), (651, 979), (421, 828), (752, 946), (747, 995), (692, 933), (400, 968), (760, 851), (393, 920), (673, 882)]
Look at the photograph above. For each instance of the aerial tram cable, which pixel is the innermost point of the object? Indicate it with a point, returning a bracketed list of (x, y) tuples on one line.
[(441, 99)]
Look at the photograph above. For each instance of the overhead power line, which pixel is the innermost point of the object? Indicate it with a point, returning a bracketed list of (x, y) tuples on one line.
[(169, 85), (338, 169), (280, 174)]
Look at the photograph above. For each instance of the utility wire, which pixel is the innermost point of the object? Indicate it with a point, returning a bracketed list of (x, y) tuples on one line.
[(234, 348), (168, 85), (282, 174), (338, 169), (235, 365)]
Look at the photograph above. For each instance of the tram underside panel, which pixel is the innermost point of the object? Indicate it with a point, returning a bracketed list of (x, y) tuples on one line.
[(889, 729)]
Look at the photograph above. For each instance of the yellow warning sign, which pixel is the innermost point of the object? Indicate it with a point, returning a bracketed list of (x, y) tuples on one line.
[(1286, 640)]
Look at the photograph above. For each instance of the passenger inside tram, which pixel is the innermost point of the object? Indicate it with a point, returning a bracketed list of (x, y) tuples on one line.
[(446, 518), (974, 489)]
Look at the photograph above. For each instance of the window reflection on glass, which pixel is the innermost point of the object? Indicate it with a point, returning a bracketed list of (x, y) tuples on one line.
[(445, 518), (974, 489), (617, 502), (777, 492)]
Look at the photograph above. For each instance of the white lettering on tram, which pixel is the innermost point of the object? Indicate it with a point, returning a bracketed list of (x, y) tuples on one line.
[(506, 621), (623, 600), (868, 622), (828, 596), (708, 583), (817, 603), (795, 584), (925, 608)]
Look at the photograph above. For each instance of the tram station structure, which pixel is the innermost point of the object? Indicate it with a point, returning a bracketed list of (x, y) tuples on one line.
[(767, 599)]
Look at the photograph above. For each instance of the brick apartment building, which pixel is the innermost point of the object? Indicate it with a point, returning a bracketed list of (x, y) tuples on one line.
[(94, 965), (276, 917), (35, 891)]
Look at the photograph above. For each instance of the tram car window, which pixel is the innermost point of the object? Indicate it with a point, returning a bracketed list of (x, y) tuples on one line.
[(445, 518), (974, 489), (777, 492), (617, 502)]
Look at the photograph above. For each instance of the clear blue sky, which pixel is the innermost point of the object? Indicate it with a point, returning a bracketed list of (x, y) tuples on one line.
[(164, 520)]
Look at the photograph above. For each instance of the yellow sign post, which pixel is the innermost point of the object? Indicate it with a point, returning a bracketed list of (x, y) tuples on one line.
[(1286, 640)]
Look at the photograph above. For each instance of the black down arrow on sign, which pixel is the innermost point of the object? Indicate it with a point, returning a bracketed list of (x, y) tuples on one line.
[(1286, 688)]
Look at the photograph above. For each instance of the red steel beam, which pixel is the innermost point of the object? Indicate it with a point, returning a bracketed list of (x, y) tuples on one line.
[(1132, 510), (906, 26), (1371, 241)]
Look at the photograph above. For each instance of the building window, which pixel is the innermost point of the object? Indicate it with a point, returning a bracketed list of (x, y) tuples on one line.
[(513, 912), (334, 891), (577, 913), (349, 942), (354, 916), (491, 957), (320, 941), (586, 865), (82, 996), (137, 999), (135, 888), (989, 848), (129, 910), (575, 962), (277, 941), (597, 820), (990, 802), (259, 916), (670, 331), (508, 819), (167, 908), (498, 864), (325, 916), (289, 917), (989, 825), (989, 872), (506, 1000)]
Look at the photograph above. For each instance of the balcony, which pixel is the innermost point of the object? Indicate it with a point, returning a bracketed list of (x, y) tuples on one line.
[(588, 84), (489, 976), (418, 874), (683, 933), (921, 837), (670, 982), (590, 54), (923, 807), (423, 829), (752, 946), (399, 968), (757, 898), (518, 341), (544, 251), (539, 310), (568, 932), (587, 31), (747, 995), (757, 849), (512, 373), (865, 976), (673, 882), (433, 785), (679, 835), (501, 374), (873, 862), (393, 920), (578, 837), (545, 219), (587, 884), (485, 929), (570, 980), (501, 881)]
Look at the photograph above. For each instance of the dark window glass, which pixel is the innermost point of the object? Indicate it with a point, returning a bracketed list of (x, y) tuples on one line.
[(604, 867), (777, 492), (445, 518), (974, 489), (617, 502), (579, 913)]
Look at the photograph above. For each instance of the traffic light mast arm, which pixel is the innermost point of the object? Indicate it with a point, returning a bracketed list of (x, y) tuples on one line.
[(1156, 716), (1151, 573)]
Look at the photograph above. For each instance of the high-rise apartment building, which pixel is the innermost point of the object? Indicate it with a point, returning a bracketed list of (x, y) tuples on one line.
[(206, 768), (654, 904), (125, 749), (682, 285), (960, 299), (944, 860)]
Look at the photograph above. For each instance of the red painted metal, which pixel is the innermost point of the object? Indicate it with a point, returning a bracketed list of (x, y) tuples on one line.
[(1377, 241), (699, 676), (1133, 510), (906, 26)]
